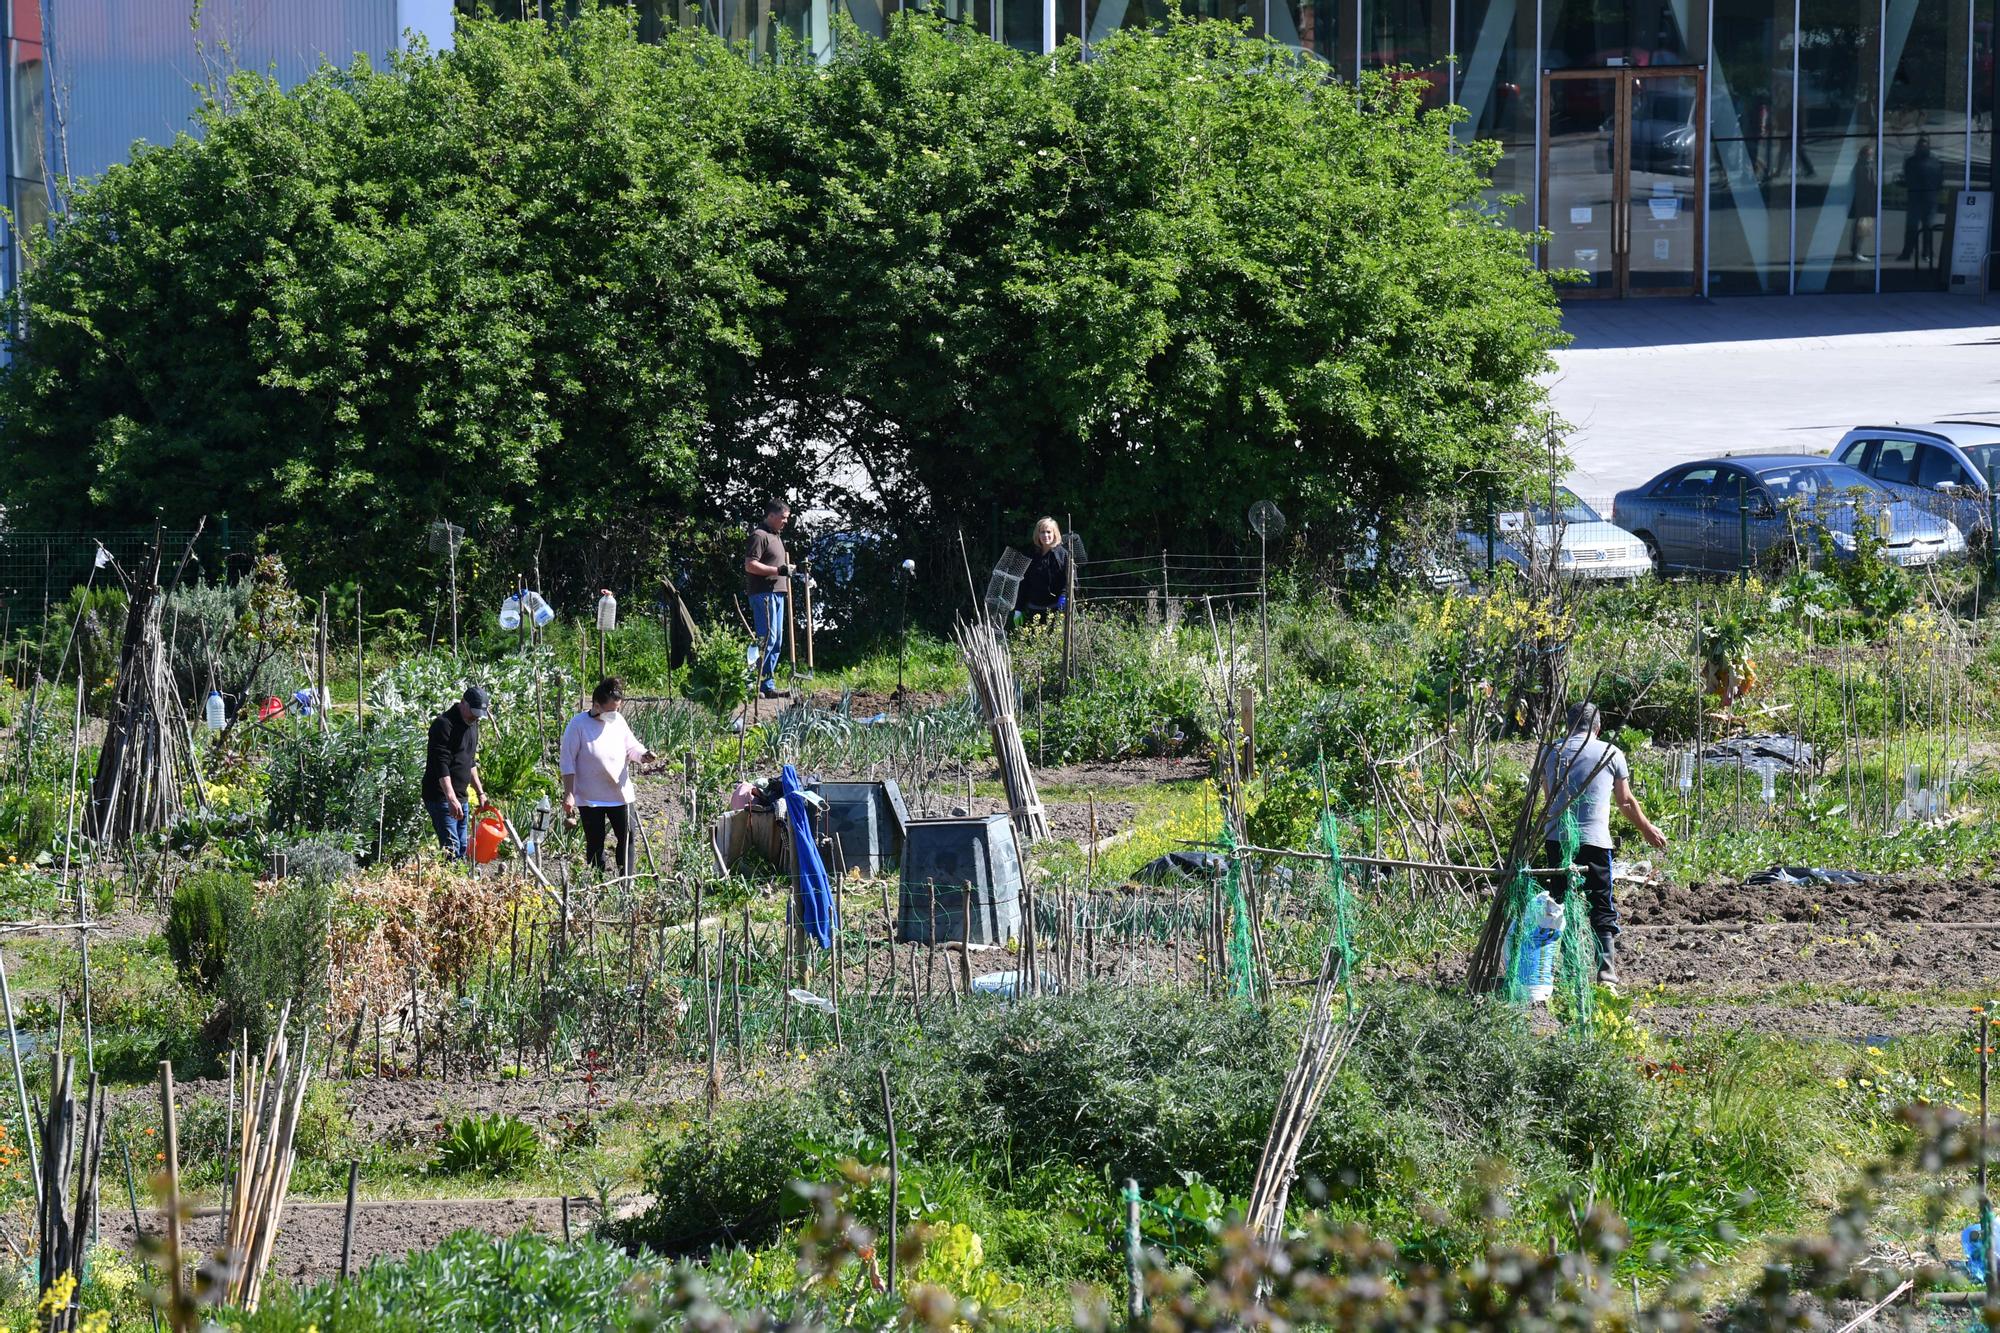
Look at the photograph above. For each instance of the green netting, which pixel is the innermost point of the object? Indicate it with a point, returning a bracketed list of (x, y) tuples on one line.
[(1336, 892), (1242, 950), (1518, 893), (1179, 1238), (1576, 968)]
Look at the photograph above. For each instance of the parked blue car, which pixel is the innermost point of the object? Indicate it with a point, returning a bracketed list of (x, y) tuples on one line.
[(1720, 514), (1946, 467)]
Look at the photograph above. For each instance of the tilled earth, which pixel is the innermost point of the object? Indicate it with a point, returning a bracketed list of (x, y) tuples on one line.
[(1894, 943), (309, 1234)]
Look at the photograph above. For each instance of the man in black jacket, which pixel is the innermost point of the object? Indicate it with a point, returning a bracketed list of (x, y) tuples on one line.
[(451, 767)]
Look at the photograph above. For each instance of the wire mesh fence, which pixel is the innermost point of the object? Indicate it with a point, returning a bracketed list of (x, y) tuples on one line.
[(1690, 527), (38, 568), (1171, 575)]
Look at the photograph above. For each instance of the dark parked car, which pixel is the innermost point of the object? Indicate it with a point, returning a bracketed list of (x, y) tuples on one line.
[(1698, 516), (1946, 467)]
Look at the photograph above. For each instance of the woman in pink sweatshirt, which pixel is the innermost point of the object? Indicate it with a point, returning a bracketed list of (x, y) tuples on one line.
[(598, 751)]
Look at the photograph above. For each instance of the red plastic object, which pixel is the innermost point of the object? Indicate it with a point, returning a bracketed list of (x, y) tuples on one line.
[(488, 835), (270, 708)]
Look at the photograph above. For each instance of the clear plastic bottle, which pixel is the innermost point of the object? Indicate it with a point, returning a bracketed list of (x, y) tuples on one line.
[(607, 610), (213, 712), (538, 608), (1535, 966), (510, 613)]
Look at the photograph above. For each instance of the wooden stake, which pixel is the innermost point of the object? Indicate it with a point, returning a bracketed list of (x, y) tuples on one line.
[(347, 1223), (889, 1119), (173, 1201), (808, 594)]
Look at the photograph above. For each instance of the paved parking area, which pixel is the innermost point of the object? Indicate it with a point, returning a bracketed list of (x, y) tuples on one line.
[(1649, 383)]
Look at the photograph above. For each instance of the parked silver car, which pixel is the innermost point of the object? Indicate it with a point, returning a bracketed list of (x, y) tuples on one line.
[(1570, 533), (1722, 514), (1946, 467)]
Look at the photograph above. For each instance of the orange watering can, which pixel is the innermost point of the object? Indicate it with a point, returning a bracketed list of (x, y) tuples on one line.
[(489, 834)]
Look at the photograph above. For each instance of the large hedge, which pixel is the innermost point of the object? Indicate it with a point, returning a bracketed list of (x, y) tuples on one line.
[(576, 290)]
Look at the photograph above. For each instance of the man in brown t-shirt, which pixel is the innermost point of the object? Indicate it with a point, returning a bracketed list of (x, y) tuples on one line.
[(767, 579)]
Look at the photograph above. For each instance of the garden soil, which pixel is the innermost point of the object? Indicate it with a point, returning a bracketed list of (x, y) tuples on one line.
[(1904, 938), (309, 1234)]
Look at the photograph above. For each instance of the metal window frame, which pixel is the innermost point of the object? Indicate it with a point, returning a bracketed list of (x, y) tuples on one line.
[(1881, 116), (1792, 169)]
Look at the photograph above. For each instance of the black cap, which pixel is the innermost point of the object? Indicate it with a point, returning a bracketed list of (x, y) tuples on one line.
[(478, 700)]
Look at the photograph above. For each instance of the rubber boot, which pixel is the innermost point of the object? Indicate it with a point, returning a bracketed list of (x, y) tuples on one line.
[(1607, 961)]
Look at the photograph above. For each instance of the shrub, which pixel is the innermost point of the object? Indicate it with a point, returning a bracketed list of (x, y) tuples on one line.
[(1654, 692), (1350, 729), (277, 956), (29, 822), (204, 906), (1145, 1083), (719, 674), (511, 759), (85, 632), (317, 860), (470, 1283), (488, 1145), (234, 637), (344, 784), (429, 918), (729, 1183), (1475, 1070)]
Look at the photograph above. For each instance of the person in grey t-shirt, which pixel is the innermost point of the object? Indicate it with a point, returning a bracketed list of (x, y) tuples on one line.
[(1584, 776), (767, 582)]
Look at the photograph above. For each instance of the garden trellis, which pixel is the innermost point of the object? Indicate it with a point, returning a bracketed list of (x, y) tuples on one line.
[(1154, 581)]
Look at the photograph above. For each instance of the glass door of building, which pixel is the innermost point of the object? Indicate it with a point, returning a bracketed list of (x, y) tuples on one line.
[(1621, 197)]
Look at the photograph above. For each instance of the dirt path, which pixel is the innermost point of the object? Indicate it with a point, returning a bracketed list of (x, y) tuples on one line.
[(309, 1234)]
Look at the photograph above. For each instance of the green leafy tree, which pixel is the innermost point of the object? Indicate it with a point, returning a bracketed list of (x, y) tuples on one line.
[(573, 289), (1147, 287), (496, 285)]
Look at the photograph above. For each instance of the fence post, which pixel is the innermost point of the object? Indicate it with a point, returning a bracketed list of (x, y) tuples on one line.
[(1742, 529), (1135, 1291), (1491, 520)]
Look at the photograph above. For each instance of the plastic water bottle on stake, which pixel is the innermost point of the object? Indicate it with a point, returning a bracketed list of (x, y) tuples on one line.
[(213, 713), (510, 613), (537, 608), (1535, 965), (607, 611)]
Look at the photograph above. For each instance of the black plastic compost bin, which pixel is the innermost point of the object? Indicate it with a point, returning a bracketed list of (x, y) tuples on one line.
[(868, 819), (961, 881)]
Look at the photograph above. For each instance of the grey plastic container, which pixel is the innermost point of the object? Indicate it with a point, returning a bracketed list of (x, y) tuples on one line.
[(868, 819), (961, 881)]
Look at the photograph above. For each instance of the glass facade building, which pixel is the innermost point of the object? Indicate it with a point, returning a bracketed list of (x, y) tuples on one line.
[(88, 79), (1712, 147), (1670, 147)]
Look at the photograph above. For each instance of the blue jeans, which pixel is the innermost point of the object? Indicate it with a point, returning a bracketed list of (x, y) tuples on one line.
[(767, 617), (450, 828)]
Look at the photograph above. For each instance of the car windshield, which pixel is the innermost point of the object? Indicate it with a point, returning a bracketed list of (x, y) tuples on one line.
[(1568, 510), (1985, 457), (1807, 482)]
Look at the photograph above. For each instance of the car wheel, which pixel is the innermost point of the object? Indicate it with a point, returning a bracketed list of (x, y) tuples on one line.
[(1652, 552)]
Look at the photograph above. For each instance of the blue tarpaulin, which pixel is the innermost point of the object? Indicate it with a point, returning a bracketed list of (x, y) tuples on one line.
[(817, 912)]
